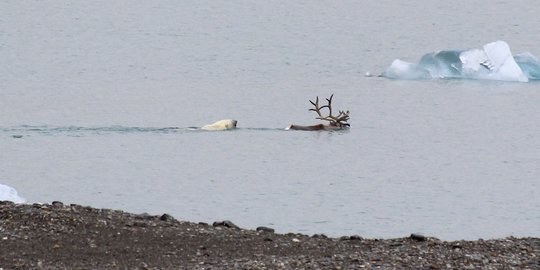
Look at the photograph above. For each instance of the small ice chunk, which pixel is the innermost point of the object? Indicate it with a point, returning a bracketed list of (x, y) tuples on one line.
[(405, 70), (8, 193)]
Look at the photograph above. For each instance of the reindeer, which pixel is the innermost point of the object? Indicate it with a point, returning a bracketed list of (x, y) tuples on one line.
[(335, 122)]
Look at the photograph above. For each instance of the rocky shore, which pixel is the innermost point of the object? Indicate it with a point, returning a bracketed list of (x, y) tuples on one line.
[(58, 236)]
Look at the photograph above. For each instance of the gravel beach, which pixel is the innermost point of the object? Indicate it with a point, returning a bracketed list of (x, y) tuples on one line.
[(58, 236)]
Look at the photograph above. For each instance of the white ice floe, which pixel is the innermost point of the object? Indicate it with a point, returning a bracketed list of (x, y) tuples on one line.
[(493, 62), (8, 193)]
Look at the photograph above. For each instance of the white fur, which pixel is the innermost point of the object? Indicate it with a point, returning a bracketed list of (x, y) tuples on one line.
[(221, 125)]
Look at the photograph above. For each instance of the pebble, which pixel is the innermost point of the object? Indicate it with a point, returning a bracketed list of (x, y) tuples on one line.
[(418, 237), (57, 204), (166, 217), (225, 223), (151, 244), (265, 229)]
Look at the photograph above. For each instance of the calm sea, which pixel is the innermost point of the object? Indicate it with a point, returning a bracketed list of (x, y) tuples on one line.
[(97, 99)]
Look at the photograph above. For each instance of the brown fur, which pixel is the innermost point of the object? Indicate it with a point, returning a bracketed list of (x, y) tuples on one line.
[(315, 127)]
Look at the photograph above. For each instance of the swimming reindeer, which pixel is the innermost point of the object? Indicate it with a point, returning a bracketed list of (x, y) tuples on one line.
[(338, 122)]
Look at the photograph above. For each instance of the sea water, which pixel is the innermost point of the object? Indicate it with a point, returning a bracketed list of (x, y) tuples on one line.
[(98, 101)]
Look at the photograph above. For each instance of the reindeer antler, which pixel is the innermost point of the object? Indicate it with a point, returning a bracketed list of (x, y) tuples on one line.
[(339, 120)]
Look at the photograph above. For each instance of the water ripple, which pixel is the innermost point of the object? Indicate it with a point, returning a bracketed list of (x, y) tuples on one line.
[(20, 131)]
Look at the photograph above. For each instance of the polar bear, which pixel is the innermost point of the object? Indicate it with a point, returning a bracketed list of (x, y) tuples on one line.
[(221, 125)]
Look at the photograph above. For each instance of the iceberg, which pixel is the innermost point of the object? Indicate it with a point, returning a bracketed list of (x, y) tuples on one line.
[(529, 64), (493, 62), (8, 193)]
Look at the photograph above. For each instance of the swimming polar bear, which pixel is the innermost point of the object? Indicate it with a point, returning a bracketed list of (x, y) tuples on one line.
[(221, 125)]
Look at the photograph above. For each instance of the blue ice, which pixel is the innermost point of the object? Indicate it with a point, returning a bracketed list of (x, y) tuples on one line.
[(494, 61)]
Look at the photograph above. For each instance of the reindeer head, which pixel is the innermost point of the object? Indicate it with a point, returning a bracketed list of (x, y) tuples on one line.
[(339, 121)]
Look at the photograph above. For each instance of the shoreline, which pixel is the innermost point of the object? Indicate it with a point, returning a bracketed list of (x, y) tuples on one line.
[(52, 236)]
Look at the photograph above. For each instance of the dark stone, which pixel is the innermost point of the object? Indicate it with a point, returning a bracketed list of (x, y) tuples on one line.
[(418, 237), (10, 203), (345, 238), (352, 237), (203, 223), (144, 216), (225, 223), (166, 217), (319, 236), (57, 204), (265, 229)]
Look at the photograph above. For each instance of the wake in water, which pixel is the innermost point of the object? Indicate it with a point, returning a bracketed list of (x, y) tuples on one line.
[(76, 130), (493, 62), (27, 130)]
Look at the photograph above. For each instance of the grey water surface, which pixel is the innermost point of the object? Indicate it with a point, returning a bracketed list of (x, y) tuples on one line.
[(98, 100)]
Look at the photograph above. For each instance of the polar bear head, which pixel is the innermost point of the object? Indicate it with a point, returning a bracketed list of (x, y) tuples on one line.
[(221, 125)]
